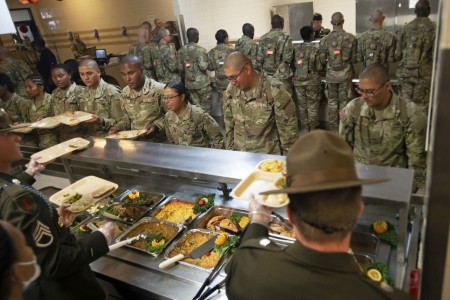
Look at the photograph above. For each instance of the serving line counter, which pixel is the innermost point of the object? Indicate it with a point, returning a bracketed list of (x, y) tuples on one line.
[(186, 172)]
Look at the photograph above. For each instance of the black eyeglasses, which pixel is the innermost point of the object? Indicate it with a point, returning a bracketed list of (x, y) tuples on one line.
[(371, 92), (235, 77), (170, 98)]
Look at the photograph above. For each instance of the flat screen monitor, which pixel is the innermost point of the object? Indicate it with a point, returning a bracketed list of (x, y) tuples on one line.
[(101, 54)]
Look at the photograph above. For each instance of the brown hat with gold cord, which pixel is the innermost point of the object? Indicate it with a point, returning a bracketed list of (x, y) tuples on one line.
[(5, 125), (320, 160)]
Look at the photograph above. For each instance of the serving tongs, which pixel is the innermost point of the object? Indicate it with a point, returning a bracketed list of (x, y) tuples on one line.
[(139, 237), (216, 271)]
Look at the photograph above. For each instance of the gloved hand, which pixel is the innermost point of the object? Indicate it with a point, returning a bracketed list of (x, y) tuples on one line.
[(108, 232), (65, 217), (259, 213), (33, 167)]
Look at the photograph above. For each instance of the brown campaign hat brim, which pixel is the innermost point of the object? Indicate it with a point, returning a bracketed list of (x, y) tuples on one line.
[(14, 127), (325, 186)]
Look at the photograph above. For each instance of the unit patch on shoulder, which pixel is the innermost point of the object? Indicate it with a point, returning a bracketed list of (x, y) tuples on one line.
[(26, 203), (42, 235)]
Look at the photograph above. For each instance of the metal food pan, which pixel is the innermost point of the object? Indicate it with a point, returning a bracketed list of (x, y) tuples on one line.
[(363, 261), (364, 243), (218, 211), (276, 220), (129, 233), (79, 219), (118, 226), (171, 201), (181, 240)]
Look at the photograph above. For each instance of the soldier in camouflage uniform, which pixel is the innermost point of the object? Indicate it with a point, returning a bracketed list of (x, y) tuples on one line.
[(40, 108), (78, 47), (141, 101), (260, 115), (186, 124), (383, 128), (247, 46), (338, 53), (414, 50), (98, 98), (143, 51), (11, 102), (193, 59), (165, 59), (306, 79), (66, 97), (316, 24), (275, 53), (376, 44), (216, 59), (16, 69)]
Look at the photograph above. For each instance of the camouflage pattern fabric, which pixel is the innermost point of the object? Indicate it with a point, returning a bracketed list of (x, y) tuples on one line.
[(376, 45), (144, 52), (202, 98), (249, 48), (17, 70), (78, 48), (194, 128), (216, 59), (14, 108), (142, 108), (104, 101), (414, 50), (394, 138), (260, 120), (275, 54), (165, 63), (338, 51), (321, 32), (37, 111), (68, 100)]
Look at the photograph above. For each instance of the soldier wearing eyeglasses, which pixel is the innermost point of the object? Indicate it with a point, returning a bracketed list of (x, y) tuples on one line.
[(383, 128)]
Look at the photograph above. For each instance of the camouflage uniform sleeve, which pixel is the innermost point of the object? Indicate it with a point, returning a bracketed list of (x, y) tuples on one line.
[(124, 122), (354, 55), (172, 61), (346, 124), (202, 59), (254, 57), (285, 117), (392, 48), (317, 62), (398, 45), (74, 50), (165, 128), (147, 61), (323, 52), (260, 55), (211, 60), (288, 51), (415, 144), (229, 122), (212, 130), (360, 50), (116, 112)]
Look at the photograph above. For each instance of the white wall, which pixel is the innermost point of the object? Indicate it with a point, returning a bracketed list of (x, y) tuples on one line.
[(208, 16)]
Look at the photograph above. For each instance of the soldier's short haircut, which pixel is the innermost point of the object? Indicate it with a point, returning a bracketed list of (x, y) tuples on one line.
[(237, 60), (162, 32), (376, 72), (317, 17), (221, 35), (337, 18), (192, 35), (64, 67), (143, 31), (132, 59), (306, 32), (5, 80), (326, 215), (423, 8), (37, 79), (277, 21), (376, 15), (248, 30), (179, 87), (147, 24), (88, 62)]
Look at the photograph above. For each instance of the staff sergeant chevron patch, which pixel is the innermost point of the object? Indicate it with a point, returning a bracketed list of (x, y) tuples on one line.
[(42, 235)]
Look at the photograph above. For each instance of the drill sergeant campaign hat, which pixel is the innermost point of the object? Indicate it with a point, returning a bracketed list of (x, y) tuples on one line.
[(4, 123), (319, 161)]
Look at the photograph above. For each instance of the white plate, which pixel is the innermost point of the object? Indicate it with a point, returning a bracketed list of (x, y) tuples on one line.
[(89, 187), (258, 182)]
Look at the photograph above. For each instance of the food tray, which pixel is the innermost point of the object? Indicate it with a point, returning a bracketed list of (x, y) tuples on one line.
[(257, 182), (272, 169), (282, 226), (91, 188), (206, 235), (46, 123), (22, 128), (127, 135), (52, 153), (99, 220), (364, 243), (132, 213), (202, 221), (75, 118), (135, 230), (178, 218)]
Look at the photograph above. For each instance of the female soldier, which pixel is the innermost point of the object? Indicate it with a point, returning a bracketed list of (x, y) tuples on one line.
[(40, 108), (10, 100), (187, 124), (65, 98)]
